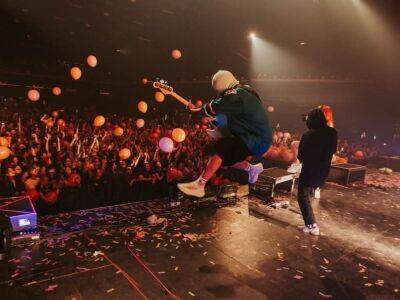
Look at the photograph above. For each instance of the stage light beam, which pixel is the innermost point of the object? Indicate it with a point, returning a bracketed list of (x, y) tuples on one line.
[(252, 35)]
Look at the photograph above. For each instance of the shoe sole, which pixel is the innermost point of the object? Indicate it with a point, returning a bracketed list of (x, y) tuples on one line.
[(190, 194)]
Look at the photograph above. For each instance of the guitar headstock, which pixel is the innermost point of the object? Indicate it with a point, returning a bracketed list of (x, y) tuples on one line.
[(163, 87)]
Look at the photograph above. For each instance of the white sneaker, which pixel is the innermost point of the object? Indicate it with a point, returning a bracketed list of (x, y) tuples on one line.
[(311, 229), (192, 189), (294, 168), (254, 171)]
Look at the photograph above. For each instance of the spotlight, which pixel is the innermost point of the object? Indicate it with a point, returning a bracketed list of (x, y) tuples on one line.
[(252, 35)]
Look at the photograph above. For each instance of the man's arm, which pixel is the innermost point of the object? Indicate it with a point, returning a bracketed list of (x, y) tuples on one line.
[(229, 104)]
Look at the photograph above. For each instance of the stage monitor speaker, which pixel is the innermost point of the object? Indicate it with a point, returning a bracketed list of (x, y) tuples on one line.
[(22, 216)]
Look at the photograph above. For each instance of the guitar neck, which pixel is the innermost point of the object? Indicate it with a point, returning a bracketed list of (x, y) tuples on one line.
[(180, 99)]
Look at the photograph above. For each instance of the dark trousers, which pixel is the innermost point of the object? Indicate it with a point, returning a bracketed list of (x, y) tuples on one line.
[(303, 198)]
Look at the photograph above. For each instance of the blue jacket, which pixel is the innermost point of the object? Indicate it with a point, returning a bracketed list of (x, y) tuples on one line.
[(246, 117)]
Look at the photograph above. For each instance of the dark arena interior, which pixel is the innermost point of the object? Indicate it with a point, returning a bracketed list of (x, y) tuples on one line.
[(200, 149)]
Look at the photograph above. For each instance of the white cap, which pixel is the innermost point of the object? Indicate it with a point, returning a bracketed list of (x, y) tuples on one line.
[(223, 80)]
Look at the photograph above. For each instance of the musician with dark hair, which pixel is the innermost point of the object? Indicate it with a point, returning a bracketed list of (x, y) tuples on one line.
[(316, 148), (247, 131)]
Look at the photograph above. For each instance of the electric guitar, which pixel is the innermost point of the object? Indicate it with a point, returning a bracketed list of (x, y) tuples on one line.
[(220, 122)]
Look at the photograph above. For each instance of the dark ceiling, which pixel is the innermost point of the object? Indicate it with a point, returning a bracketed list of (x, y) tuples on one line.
[(134, 38)]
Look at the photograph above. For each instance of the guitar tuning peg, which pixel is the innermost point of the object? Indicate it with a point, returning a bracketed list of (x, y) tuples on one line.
[(162, 81)]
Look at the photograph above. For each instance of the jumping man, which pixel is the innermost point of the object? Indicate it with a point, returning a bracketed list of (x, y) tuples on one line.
[(248, 126)]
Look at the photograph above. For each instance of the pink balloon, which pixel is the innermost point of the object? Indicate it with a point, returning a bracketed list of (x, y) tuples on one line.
[(270, 109), (139, 123), (91, 61), (176, 54), (166, 145)]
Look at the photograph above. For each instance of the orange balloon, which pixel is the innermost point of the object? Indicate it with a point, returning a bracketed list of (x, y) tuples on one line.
[(176, 54), (159, 97), (145, 80), (118, 131), (4, 152), (54, 114), (124, 153), (56, 91), (359, 154), (270, 109), (49, 123), (91, 61), (33, 95), (4, 142), (199, 103), (76, 73), (99, 121), (139, 123), (287, 155), (178, 135), (142, 107), (272, 153)]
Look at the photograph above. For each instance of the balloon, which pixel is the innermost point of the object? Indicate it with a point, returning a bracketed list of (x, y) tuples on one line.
[(51, 197), (91, 61), (145, 80), (178, 135), (199, 103), (60, 122), (287, 155), (166, 145), (359, 154), (159, 97), (176, 54), (56, 91), (33, 195), (49, 123), (124, 153), (272, 153), (287, 135), (142, 107), (4, 152), (54, 114), (139, 123), (33, 95), (76, 73), (99, 121), (4, 142), (118, 131), (270, 109)]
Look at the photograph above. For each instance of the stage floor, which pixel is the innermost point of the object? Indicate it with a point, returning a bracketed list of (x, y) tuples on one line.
[(215, 253)]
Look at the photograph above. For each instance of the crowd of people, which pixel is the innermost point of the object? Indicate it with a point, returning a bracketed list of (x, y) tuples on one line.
[(64, 163)]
